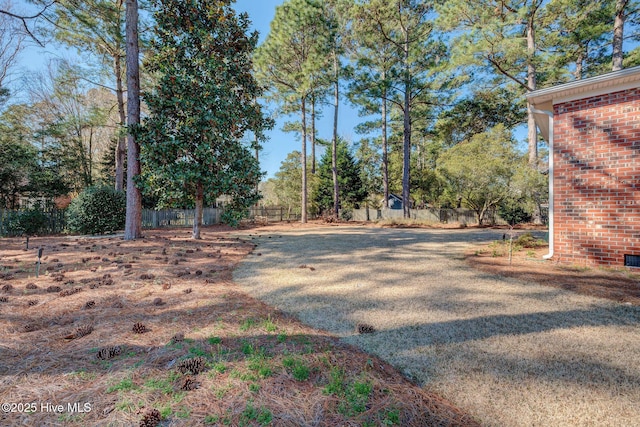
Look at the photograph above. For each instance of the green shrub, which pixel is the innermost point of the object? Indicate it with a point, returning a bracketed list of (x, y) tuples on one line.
[(97, 210), (28, 223), (513, 212), (527, 240)]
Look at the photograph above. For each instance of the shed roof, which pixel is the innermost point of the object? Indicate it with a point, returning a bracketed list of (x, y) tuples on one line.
[(545, 99)]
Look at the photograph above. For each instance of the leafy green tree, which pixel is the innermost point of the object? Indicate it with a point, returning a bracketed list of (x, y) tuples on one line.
[(290, 62), (349, 179), (288, 183), (481, 169), (202, 107), (369, 160)]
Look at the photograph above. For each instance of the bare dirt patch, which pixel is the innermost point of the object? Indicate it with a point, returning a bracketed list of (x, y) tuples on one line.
[(527, 264), (112, 330)]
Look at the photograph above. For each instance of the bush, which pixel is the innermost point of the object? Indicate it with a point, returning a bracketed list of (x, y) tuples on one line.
[(513, 212), (527, 240), (97, 210), (28, 223)]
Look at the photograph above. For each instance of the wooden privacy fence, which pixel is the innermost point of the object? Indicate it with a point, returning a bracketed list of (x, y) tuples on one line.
[(56, 222), (185, 217), (465, 216)]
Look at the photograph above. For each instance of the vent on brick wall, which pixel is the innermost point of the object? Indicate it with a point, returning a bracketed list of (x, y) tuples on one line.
[(632, 260)]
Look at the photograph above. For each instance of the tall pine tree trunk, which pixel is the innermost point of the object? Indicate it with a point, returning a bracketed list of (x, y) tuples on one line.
[(303, 159), (334, 145), (197, 220), (121, 145), (531, 83), (313, 133), (385, 150), (406, 149), (133, 222), (618, 34), (531, 122)]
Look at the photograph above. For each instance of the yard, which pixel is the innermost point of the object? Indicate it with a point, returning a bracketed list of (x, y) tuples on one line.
[(154, 332), (112, 330), (506, 350)]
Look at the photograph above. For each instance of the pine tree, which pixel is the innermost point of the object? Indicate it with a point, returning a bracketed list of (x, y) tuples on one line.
[(202, 107), (290, 61), (351, 189)]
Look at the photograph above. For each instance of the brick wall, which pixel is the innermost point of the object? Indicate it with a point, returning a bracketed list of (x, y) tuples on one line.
[(597, 179)]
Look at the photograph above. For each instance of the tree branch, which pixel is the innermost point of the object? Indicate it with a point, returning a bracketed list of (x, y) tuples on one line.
[(24, 20)]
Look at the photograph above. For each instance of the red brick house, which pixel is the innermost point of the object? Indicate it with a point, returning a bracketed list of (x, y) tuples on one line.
[(593, 130)]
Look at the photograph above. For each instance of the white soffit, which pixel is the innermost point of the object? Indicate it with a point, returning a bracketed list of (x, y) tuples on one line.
[(628, 78), (545, 99)]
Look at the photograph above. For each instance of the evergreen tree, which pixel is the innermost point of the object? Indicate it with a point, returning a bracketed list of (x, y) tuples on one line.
[(203, 105), (407, 26), (290, 62), (352, 192)]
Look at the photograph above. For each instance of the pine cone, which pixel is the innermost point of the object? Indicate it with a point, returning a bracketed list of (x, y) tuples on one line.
[(192, 366), (151, 418), (189, 383), (363, 328), (30, 327), (7, 288), (158, 301), (4, 299), (109, 352), (82, 331), (32, 286), (187, 291), (166, 286), (32, 302), (54, 288), (139, 328), (89, 304), (68, 292), (179, 337)]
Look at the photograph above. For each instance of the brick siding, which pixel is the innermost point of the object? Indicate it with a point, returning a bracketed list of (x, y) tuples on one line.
[(597, 179)]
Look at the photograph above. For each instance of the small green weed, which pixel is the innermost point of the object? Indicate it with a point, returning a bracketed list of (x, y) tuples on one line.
[(197, 351), (247, 324), (214, 340), (183, 412), (125, 385), (391, 417), (282, 337), (247, 348), (297, 368), (250, 414), (269, 325)]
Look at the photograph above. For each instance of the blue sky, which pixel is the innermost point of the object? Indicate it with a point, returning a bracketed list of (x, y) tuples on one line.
[(261, 13)]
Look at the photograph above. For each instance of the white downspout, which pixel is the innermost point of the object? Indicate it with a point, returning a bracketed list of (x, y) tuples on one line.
[(551, 180)]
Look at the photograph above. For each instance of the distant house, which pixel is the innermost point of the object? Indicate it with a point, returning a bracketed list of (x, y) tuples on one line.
[(593, 130), (395, 202)]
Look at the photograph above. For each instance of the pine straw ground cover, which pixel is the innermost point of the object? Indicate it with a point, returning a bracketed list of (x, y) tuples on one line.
[(153, 332)]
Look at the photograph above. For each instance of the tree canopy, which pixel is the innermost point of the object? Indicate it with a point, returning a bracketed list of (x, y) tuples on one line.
[(201, 108)]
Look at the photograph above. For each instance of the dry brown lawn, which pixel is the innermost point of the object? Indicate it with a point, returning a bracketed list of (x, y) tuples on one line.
[(113, 329), (508, 350)]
